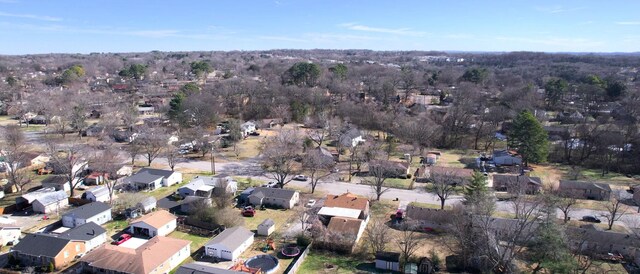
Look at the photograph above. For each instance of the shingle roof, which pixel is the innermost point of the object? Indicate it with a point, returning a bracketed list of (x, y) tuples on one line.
[(156, 219), (267, 223), (148, 201), (345, 226), (204, 268), (274, 193), (141, 260), (88, 210), (32, 196), (347, 200), (506, 179), (567, 184), (39, 244), (150, 174), (84, 232), (55, 180), (426, 214), (52, 197), (99, 191), (231, 238), (388, 256)]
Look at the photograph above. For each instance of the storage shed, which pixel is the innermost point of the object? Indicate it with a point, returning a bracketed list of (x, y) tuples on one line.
[(266, 227)]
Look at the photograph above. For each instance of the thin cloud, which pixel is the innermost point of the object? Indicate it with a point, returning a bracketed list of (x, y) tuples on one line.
[(400, 31), (31, 16), (628, 23)]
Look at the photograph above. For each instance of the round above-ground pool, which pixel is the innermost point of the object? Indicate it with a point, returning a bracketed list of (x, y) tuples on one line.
[(267, 263), (290, 251)]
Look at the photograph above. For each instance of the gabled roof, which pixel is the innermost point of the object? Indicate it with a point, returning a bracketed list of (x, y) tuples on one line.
[(32, 196), (567, 184), (39, 244), (99, 191), (426, 214), (52, 197), (347, 200), (150, 174), (55, 180), (388, 256), (506, 179), (345, 226), (267, 223), (277, 193), (84, 232), (88, 210), (340, 212), (156, 219), (199, 181), (231, 238), (204, 268), (454, 171), (141, 260), (148, 201)]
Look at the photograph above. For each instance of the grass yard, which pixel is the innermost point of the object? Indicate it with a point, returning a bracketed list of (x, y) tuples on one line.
[(425, 205), (196, 241), (279, 216), (245, 149), (246, 182), (114, 227), (319, 262)]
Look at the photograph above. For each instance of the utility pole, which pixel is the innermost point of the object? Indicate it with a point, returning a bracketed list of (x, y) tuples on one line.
[(213, 162)]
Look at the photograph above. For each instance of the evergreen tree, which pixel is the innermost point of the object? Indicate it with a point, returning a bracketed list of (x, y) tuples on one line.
[(477, 195), (176, 110), (529, 138), (549, 250)]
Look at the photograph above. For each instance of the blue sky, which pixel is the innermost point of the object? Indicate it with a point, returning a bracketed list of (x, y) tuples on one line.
[(83, 26)]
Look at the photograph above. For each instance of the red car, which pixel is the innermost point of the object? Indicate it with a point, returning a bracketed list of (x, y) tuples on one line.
[(123, 238), (248, 211)]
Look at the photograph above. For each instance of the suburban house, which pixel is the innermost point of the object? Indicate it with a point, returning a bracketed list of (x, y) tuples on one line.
[(151, 179), (428, 217), (603, 242), (388, 260), (275, 197), (349, 227), (97, 194), (516, 183), (204, 268), (205, 186), (158, 223), (391, 169), (349, 201), (27, 199), (95, 178), (44, 249), (147, 204), (91, 234), (57, 182), (247, 128), (454, 175), (267, 227), (96, 212), (9, 235), (158, 255), (506, 158), (191, 203), (53, 202), (351, 138), (229, 244), (585, 190)]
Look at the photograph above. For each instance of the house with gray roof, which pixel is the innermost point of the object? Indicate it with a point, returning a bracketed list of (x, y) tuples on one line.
[(97, 194), (44, 249), (351, 138), (96, 212), (274, 197), (603, 242), (90, 233), (148, 179), (207, 186), (52, 202), (147, 204), (204, 268), (229, 244), (585, 190), (266, 227), (515, 183)]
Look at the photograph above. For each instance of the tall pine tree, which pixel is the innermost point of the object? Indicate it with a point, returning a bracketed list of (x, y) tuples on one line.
[(528, 138)]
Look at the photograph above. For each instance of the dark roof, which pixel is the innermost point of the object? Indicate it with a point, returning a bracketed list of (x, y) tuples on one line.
[(150, 174), (55, 180), (567, 184), (203, 268), (231, 238), (247, 191), (39, 244), (388, 256), (89, 210), (505, 179), (84, 232), (278, 193)]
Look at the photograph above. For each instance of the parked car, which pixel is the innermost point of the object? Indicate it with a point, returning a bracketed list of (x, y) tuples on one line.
[(311, 203), (45, 171), (300, 177), (591, 219), (271, 185), (123, 238), (248, 211), (255, 133)]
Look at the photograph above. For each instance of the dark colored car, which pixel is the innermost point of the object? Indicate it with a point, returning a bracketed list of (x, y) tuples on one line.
[(591, 219)]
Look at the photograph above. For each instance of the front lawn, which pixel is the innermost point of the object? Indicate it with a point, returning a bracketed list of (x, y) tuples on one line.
[(196, 241), (325, 262)]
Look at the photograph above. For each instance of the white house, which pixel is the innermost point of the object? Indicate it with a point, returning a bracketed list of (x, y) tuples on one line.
[(9, 235), (97, 194), (53, 202), (57, 182), (147, 205), (158, 223), (205, 186), (152, 179), (247, 128), (96, 212), (230, 243), (351, 138), (266, 227), (274, 197), (503, 157)]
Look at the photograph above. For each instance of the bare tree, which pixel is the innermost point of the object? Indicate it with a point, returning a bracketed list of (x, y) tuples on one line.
[(318, 166), (14, 152), (107, 161), (134, 149), (377, 235), (615, 208), (279, 154), (565, 204), (152, 142), (378, 175), (68, 160), (443, 185), (408, 241), (306, 216), (222, 198), (172, 156)]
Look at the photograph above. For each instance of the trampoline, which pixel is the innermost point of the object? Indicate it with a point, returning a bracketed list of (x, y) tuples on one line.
[(290, 251), (267, 263)]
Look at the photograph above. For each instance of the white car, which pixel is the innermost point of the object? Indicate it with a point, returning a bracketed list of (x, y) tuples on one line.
[(300, 177), (311, 203)]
